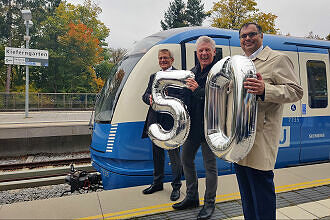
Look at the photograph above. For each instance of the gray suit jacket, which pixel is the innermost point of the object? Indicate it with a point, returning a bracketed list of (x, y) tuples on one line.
[(281, 86)]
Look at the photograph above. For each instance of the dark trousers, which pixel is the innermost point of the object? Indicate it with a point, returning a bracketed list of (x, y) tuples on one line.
[(189, 150), (257, 192), (176, 166)]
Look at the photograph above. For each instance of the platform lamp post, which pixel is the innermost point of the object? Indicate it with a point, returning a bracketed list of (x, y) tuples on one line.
[(27, 16)]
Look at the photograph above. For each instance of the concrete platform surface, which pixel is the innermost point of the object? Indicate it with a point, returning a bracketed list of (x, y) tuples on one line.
[(44, 117), (131, 203), (42, 132)]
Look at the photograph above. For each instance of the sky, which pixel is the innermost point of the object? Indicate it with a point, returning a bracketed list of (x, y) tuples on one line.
[(132, 20)]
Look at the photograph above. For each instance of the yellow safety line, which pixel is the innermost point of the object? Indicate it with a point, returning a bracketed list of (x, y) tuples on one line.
[(141, 213), (220, 198), (302, 185), (131, 210)]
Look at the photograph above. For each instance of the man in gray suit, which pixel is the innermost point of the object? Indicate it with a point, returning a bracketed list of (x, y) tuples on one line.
[(275, 85), (195, 99), (165, 60)]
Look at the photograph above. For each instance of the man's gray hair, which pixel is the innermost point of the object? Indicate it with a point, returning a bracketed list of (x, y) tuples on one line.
[(205, 39), (165, 51)]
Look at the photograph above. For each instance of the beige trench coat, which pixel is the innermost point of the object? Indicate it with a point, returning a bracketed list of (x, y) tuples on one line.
[(281, 86)]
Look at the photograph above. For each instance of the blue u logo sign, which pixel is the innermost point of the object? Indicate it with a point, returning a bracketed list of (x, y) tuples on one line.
[(285, 136), (282, 141)]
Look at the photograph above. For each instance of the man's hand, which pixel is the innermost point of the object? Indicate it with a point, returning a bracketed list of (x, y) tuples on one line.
[(192, 84), (255, 86), (150, 99)]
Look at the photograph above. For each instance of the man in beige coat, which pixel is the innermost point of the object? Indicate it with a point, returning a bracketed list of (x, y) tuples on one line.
[(275, 85)]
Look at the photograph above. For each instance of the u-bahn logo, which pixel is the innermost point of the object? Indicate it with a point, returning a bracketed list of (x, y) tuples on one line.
[(285, 136)]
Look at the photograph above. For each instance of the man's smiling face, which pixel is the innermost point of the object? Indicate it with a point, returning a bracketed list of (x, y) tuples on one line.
[(205, 54), (250, 39)]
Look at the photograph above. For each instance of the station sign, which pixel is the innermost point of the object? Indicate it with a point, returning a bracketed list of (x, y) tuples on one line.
[(26, 57)]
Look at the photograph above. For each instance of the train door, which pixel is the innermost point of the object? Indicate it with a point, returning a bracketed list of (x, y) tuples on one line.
[(290, 139), (315, 130), (189, 59)]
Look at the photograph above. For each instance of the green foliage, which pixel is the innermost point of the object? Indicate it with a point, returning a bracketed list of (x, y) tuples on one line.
[(103, 69), (2, 68), (12, 30), (195, 14), (112, 57), (232, 14), (180, 15), (174, 16), (74, 37)]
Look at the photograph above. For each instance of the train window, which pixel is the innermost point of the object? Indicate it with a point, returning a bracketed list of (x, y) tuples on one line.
[(218, 55), (109, 94), (317, 84)]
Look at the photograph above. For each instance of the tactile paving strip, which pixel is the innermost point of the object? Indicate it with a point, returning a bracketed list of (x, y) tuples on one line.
[(232, 209)]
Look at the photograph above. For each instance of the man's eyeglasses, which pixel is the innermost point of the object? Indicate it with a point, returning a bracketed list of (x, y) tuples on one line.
[(164, 58), (251, 34)]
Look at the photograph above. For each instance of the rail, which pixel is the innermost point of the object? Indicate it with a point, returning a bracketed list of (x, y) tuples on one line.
[(47, 101)]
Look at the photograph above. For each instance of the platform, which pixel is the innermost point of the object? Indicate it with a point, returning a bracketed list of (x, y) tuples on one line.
[(41, 132), (303, 192)]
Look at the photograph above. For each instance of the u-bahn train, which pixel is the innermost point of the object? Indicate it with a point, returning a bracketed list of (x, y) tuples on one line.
[(124, 159)]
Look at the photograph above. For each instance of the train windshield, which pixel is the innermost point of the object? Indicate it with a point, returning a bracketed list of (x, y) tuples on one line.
[(110, 92)]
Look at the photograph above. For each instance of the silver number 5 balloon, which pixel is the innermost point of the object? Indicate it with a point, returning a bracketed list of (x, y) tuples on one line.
[(163, 103)]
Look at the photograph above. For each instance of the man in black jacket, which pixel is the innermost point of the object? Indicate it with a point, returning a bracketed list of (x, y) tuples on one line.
[(196, 98), (165, 60)]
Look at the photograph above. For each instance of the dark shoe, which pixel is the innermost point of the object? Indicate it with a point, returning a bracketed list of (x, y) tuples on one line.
[(175, 195), (186, 204), (153, 188), (207, 211)]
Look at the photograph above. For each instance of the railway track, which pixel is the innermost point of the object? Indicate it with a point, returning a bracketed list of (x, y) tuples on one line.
[(32, 165), (39, 173)]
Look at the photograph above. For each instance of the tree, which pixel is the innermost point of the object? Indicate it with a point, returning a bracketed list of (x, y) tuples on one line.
[(82, 51), (12, 29), (328, 37), (174, 16), (117, 54), (311, 35), (195, 14), (180, 15), (74, 37), (112, 57), (2, 68), (231, 14), (103, 70)]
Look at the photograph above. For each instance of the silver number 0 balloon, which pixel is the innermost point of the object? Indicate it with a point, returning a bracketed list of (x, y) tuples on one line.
[(163, 103), (230, 111)]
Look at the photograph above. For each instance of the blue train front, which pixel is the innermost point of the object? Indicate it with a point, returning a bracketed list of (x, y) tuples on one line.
[(124, 159)]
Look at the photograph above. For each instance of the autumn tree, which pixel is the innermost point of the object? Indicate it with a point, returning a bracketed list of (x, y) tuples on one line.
[(231, 14), (74, 37), (82, 51)]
